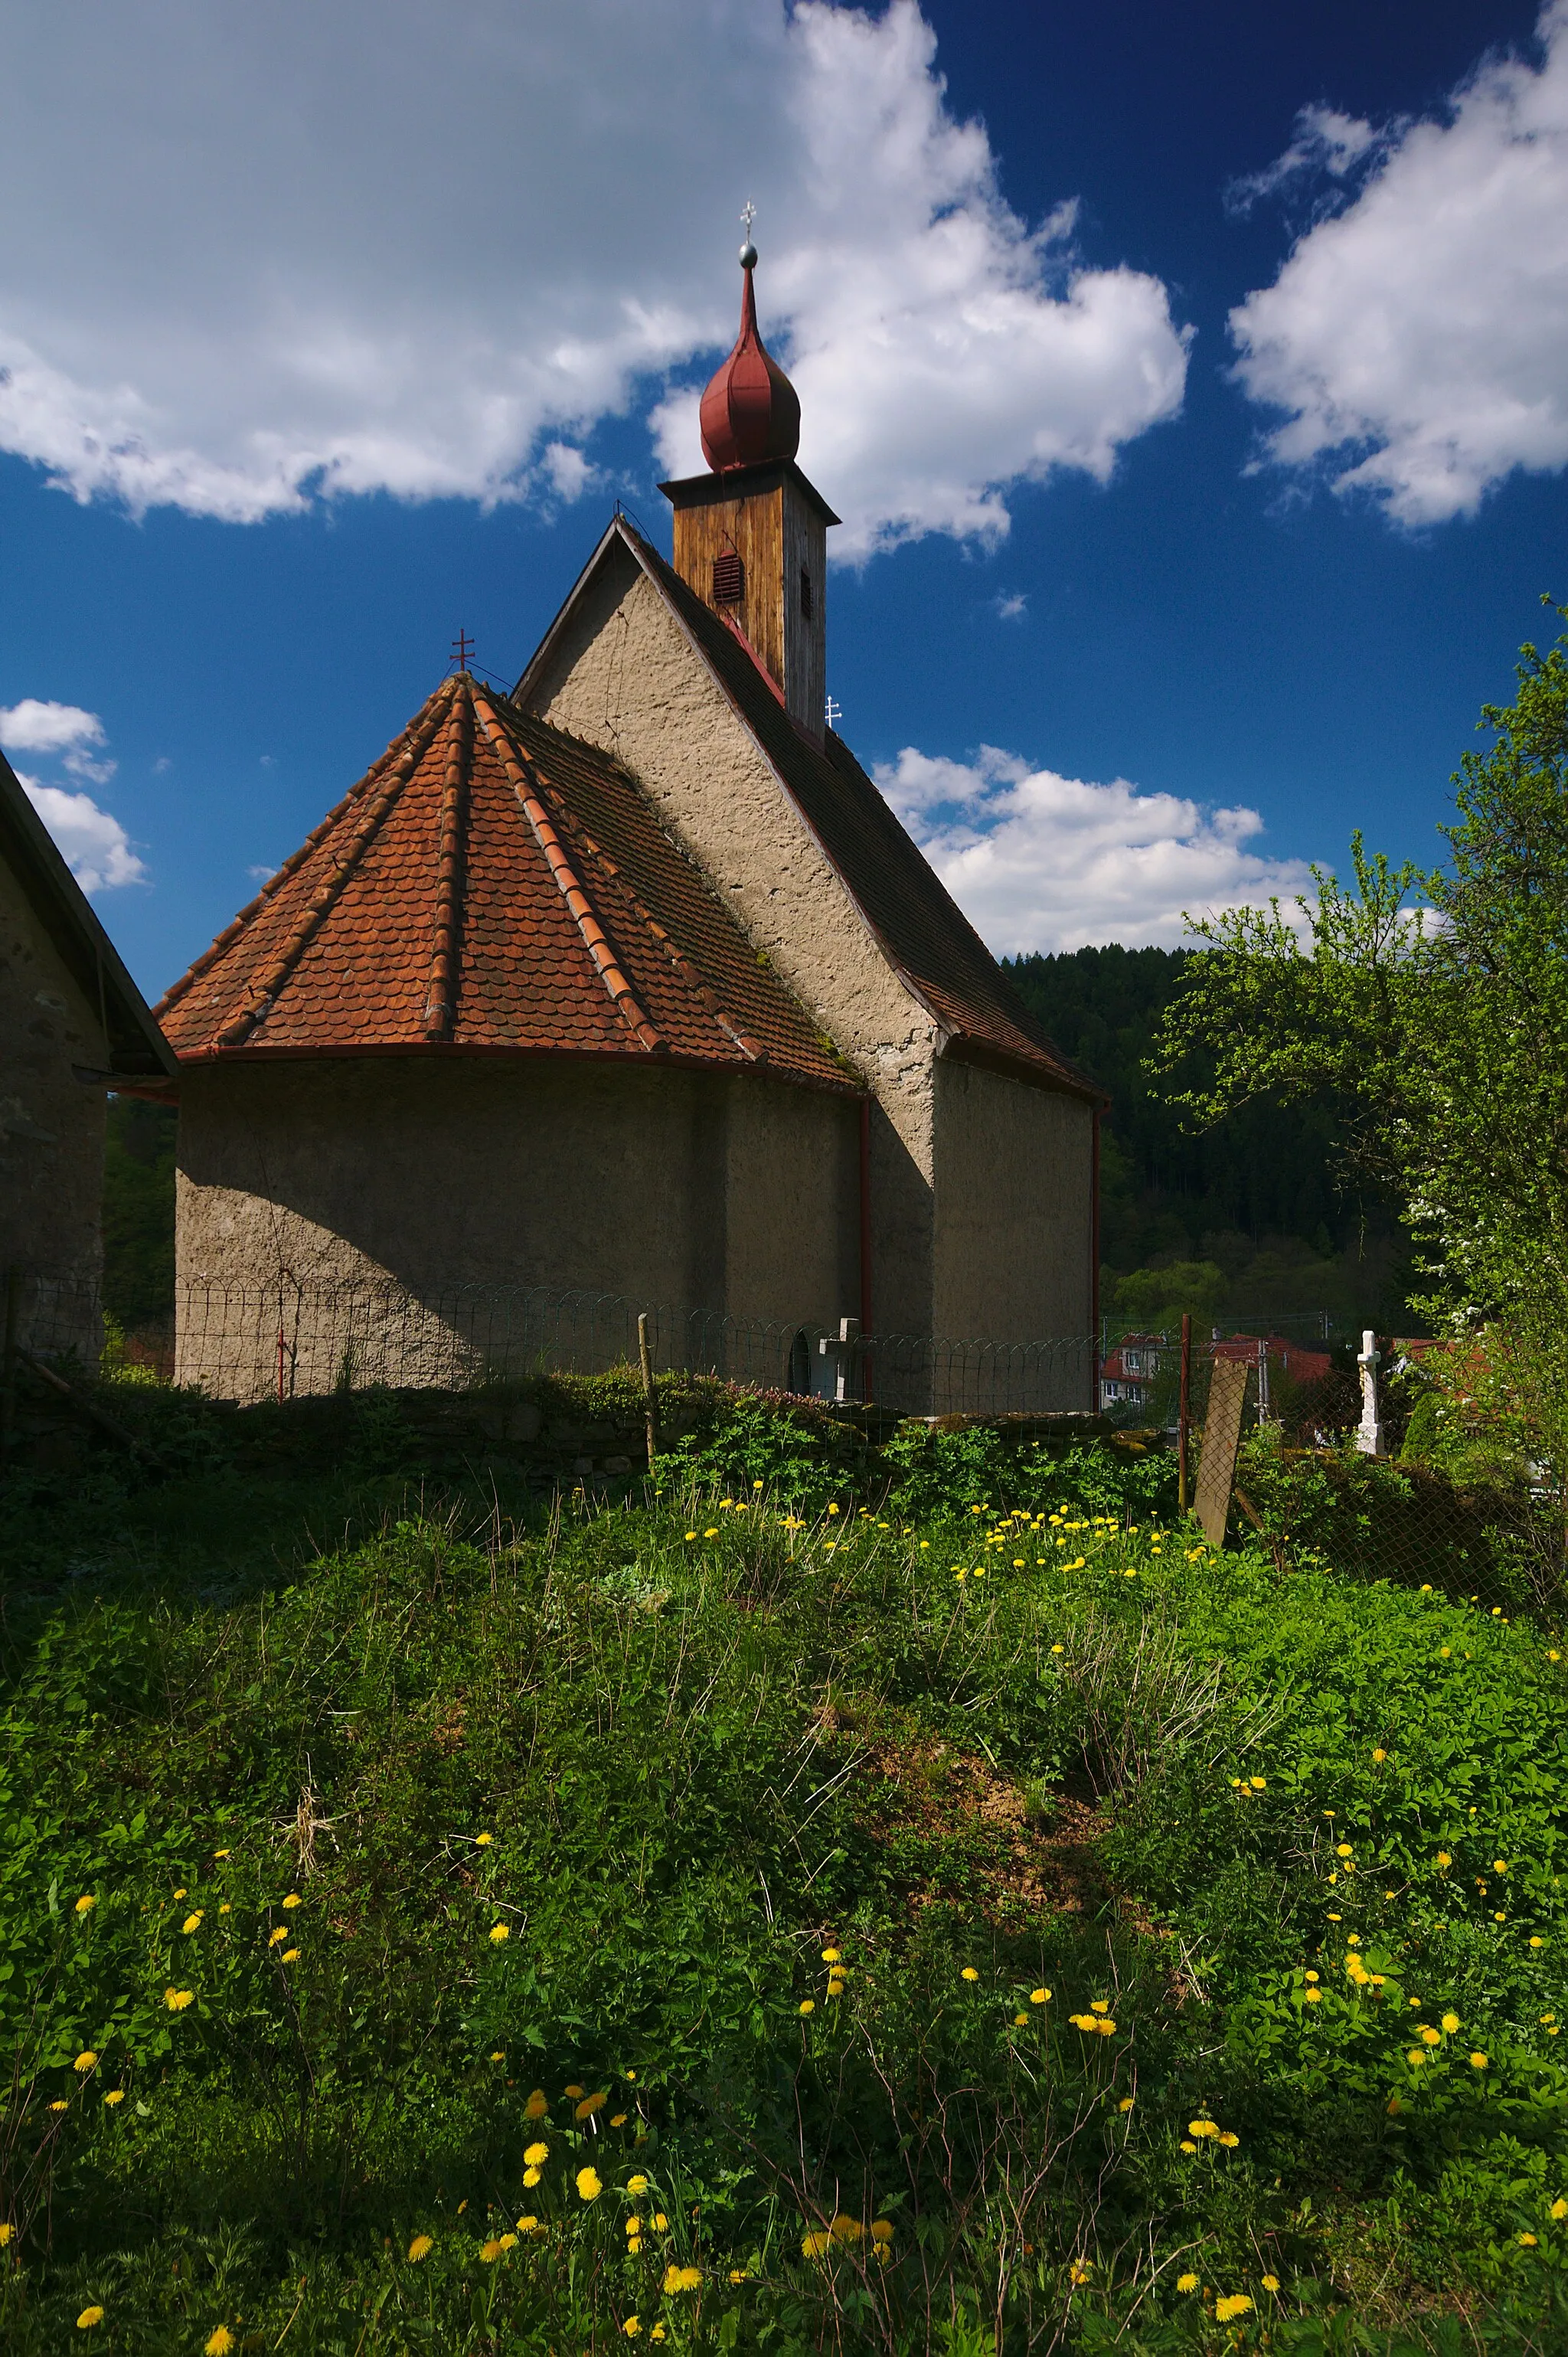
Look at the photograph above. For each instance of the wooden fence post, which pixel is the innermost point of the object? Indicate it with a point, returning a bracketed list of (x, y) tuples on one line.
[(650, 1402), (1184, 1412), (8, 1365)]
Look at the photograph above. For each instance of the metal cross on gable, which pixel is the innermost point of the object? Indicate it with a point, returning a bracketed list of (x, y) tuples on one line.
[(463, 646), (835, 712)]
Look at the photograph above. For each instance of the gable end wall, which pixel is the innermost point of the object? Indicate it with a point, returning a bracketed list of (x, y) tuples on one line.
[(625, 676)]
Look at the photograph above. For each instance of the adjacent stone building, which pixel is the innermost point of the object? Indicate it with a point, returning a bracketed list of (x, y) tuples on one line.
[(73, 1024), (632, 983)]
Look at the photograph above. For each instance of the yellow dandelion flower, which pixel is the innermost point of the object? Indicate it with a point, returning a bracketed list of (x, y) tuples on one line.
[(1559, 2208), (1527, 2242), (537, 2105), (536, 2155), (1080, 2270), (1270, 2283), (814, 2245), (86, 2060), (831, 1956), (88, 2319), (1106, 2026), (1477, 2060), (193, 1921), (1202, 2129), (59, 2107), (1186, 2283), (116, 2096), (86, 1903), (181, 1892), (490, 2251), (483, 1841), (1229, 2139), (529, 2225), (1343, 1849), (1379, 1755), (1450, 2023), (1536, 1940), (1188, 2145), (1039, 1997), (619, 2119), (637, 2184), (1312, 1995), (1236, 2304), (660, 2222), (882, 2230), (969, 1974), (499, 1932), (588, 2186), (737, 2274), (291, 1956), (806, 2004), (589, 2105), (1428, 2036), (532, 2175), (632, 2326), (421, 2248), (1259, 1783), (275, 1939), (1125, 2104), (1020, 2021), (677, 2279), (177, 1999), (292, 1898), (218, 2341)]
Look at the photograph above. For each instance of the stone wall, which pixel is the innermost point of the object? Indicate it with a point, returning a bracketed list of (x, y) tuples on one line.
[(1013, 1214), (413, 1178), (625, 676), (51, 1131)]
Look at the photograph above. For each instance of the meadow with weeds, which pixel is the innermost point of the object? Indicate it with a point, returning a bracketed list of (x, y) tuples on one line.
[(749, 1918)]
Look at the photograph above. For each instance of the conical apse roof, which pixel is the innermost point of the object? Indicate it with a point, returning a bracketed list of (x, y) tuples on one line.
[(491, 886)]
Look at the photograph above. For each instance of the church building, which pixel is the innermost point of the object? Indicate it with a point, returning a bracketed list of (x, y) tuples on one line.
[(630, 981)]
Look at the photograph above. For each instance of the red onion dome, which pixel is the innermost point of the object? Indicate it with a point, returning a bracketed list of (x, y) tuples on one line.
[(750, 410)]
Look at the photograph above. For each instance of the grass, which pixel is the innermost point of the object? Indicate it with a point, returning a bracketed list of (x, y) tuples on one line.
[(918, 1895)]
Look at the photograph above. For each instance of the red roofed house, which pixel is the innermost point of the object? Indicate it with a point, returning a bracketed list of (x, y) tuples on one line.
[(630, 980)]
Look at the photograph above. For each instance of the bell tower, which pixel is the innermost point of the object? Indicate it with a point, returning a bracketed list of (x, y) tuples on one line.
[(751, 535)]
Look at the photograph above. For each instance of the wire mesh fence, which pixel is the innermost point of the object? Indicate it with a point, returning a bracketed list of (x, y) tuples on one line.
[(248, 1343)]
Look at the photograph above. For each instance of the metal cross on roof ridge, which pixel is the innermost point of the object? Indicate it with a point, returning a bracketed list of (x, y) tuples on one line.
[(834, 712), (748, 214), (463, 646)]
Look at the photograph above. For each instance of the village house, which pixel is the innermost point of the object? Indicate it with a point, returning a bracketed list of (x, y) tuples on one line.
[(73, 1025), (630, 981)]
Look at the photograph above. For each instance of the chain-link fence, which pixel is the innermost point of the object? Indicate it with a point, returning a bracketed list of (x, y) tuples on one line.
[(289, 1341)]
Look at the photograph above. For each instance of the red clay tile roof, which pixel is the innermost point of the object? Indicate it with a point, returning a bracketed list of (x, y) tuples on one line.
[(923, 934), (489, 886)]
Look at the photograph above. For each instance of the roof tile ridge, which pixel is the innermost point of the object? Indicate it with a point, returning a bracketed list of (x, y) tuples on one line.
[(262, 1000), (290, 867), (690, 973), (441, 993), (596, 939)]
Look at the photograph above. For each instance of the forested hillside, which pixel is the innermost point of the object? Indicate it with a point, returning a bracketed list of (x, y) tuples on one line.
[(1246, 1218)]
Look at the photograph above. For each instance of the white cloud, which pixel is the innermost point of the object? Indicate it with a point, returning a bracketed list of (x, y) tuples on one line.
[(1011, 606), (1417, 339), (33, 728), (97, 849), (1042, 862), (423, 246), (1326, 141)]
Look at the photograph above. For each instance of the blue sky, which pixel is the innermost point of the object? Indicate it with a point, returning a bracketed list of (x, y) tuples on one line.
[(347, 328)]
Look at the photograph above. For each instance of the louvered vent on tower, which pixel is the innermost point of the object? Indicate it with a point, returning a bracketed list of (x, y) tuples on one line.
[(729, 579)]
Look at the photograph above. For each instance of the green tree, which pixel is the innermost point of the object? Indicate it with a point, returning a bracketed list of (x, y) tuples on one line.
[(1433, 1008)]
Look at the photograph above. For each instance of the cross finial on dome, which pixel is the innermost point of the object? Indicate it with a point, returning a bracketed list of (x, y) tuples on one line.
[(751, 411)]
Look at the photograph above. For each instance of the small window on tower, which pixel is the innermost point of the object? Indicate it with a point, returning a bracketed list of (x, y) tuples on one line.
[(729, 579), (806, 594)]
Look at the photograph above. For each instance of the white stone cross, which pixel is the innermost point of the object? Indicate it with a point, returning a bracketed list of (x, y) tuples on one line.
[(1369, 1431)]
